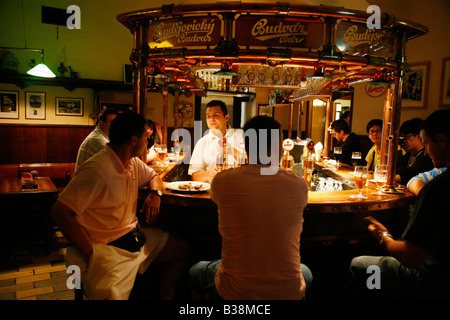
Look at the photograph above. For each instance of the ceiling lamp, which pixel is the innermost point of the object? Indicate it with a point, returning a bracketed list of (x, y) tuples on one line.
[(41, 70), (225, 70), (316, 82)]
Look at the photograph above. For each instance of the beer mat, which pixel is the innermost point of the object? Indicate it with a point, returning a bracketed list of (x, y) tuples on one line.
[(188, 186)]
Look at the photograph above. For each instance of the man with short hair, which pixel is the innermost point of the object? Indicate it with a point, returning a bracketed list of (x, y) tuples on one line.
[(203, 161), (414, 161), (348, 141), (260, 221), (98, 138), (374, 129), (96, 212), (420, 259)]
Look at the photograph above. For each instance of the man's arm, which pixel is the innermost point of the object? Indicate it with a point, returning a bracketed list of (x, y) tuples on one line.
[(64, 218), (153, 201), (407, 253), (415, 186), (204, 176)]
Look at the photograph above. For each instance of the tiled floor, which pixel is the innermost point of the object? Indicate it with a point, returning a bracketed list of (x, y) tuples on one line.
[(32, 274)]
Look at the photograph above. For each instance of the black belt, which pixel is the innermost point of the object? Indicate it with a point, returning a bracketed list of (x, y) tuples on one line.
[(132, 241)]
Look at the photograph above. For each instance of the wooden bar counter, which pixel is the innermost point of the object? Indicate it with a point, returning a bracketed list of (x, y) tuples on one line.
[(329, 217)]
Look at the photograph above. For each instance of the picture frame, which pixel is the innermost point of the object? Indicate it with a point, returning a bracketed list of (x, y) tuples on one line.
[(265, 110), (66, 106), (444, 92), (415, 86), (128, 73), (9, 104), (35, 105)]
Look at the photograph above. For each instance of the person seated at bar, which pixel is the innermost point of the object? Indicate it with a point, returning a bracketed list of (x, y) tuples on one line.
[(419, 261), (416, 183), (346, 116), (202, 165), (414, 161), (153, 139), (260, 221), (348, 141), (374, 129), (97, 210), (98, 138)]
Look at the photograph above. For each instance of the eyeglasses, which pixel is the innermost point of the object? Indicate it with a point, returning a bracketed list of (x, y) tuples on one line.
[(402, 138), (372, 132)]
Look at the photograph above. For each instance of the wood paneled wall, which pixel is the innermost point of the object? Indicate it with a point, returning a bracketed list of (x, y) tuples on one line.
[(40, 143)]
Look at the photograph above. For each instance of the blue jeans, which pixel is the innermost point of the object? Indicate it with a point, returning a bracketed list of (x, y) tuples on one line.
[(396, 280), (203, 273)]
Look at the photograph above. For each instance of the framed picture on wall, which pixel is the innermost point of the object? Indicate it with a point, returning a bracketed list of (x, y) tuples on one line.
[(35, 105), (415, 86), (69, 106), (265, 110), (9, 104), (444, 101)]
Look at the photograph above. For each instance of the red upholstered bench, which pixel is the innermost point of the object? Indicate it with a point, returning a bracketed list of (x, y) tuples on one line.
[(9, 170)]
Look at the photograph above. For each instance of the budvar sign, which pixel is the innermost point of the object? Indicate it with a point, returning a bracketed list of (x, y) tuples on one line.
[(357, 39), (270, 31), (186, 31)]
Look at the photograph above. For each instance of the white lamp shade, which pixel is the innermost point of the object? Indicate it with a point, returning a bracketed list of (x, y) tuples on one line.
[(41, 70)]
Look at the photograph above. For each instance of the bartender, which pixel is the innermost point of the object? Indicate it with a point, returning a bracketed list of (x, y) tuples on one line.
[(202, 166)]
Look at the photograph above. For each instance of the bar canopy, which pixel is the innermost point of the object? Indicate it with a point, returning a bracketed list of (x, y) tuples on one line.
[(328, 41)]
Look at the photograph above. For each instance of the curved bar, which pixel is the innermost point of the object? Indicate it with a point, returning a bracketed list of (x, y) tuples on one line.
[(329, 216)]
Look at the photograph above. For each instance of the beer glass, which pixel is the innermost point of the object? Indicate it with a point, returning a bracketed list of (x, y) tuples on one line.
[(381, 175), (360, 174), (356, 158), (308, 168), (337, 152), (219, 162), (162, 152)]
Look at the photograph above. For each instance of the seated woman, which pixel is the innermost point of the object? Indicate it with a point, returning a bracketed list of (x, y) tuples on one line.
[(375, 130), (153, 139)]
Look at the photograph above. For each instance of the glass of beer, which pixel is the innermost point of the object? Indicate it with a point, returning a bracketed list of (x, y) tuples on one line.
[(337, 152), (361, 173), (162, 152), (219, 162), (356, 158), (381, 175), (308, 168)]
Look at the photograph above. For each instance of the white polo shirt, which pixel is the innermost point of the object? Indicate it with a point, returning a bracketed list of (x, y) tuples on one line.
[(103, 195), (93, 143), (204, 156)]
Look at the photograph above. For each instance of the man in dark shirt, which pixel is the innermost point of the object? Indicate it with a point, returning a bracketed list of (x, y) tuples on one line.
[(348, 141), (414, 161), (420, 259)]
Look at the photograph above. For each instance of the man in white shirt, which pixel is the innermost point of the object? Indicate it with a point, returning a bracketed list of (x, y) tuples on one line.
[(96, 212), (203, 161), (98, 138)]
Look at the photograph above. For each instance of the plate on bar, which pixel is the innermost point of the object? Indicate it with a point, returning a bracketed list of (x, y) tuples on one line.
[(188, 186)]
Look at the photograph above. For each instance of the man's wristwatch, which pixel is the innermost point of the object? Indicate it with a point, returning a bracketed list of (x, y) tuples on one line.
[(157, 191), (384, 234)]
